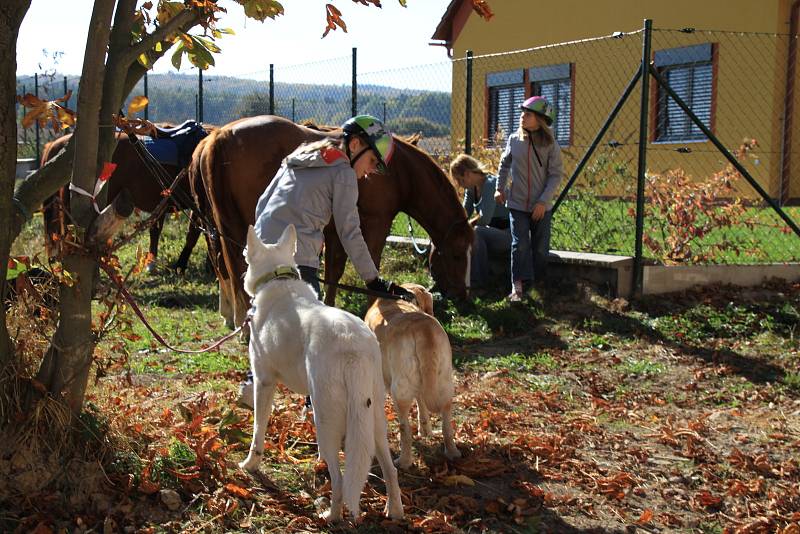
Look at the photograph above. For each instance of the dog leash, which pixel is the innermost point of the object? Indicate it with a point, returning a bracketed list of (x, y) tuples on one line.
[(115, 278), (365, 291)]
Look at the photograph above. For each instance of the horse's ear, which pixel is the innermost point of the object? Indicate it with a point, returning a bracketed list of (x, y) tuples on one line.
[(288, 240)]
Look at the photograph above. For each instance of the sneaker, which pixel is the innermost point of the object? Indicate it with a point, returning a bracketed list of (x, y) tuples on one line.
[(516, 292), (514, 297), (245, 398)]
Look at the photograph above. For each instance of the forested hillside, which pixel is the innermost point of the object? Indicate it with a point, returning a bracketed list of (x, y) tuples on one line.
[(174, 98)]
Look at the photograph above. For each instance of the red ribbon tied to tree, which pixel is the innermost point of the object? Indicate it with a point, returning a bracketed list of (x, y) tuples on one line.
[(105, 174)]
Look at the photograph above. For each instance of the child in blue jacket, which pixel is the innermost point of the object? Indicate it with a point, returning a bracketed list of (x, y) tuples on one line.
[(532, 157)]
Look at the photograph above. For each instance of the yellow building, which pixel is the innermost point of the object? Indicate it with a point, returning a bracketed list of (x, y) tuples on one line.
[(729, 59)]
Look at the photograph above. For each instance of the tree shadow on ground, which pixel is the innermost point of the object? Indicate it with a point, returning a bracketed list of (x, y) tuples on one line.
[(511, 323), (573, 304), (504, 495), (182, 299)]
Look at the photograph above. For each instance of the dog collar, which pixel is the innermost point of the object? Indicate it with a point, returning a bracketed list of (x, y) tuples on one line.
[(282, 271)]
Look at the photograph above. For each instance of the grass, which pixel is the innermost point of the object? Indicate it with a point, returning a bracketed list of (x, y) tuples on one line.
[(515, 362), (606, 226), (641, 367), (553, 398)]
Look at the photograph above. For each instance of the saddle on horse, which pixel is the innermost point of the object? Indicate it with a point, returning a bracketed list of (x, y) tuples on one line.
[(174, 146)]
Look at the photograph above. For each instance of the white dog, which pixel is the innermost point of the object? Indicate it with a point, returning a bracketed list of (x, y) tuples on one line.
[(324, 352), (417, 364)]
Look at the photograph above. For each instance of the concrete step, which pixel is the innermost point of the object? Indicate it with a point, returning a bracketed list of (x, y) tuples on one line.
[(611, 272)]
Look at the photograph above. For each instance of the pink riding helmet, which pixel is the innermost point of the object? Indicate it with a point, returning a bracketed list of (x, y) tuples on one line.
[(540, 106)]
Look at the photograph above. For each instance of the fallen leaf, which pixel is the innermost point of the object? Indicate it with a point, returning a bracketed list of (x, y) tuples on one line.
[(455, 480)]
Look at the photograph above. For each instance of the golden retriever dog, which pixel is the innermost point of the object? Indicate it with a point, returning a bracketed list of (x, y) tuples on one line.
[(417, 364)]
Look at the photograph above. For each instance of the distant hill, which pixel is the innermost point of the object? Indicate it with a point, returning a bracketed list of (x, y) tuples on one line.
[(173, 98)]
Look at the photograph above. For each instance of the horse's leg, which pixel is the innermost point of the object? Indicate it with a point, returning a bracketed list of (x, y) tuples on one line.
[(192, 235), (226, 303), (241, 302), (155, 235), (335, 259), (374, 229)]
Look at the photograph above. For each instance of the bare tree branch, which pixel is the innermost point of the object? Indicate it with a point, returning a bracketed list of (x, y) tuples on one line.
[(123, 19)]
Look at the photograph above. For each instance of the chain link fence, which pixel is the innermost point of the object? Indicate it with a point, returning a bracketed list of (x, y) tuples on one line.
[(696, 208), (47, 86)]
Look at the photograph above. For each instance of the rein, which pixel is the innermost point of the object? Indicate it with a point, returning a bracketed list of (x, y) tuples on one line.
[(422, 251), (115, 278)]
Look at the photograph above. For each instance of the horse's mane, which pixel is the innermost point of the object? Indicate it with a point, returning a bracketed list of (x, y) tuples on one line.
[(311, 125), (443, 181)]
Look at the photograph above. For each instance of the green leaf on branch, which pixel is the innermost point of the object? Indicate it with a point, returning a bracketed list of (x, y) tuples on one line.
[(217, 32), (261, 9), (198, 50), (167, 10)]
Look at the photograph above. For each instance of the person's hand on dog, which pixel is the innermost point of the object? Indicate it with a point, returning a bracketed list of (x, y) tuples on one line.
[(385, 286)]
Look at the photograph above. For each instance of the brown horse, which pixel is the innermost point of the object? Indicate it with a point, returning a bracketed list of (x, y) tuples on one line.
[(146, 191), (239, 160)]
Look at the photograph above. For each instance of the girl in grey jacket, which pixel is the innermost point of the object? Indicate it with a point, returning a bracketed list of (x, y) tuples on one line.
[(532, 158), (319, 180)]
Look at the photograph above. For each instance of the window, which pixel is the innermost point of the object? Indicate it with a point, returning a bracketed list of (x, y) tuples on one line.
[(506, 93), (689, 72), (554, 82)]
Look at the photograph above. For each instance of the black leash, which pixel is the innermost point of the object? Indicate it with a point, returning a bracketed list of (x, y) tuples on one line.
[(363, 290)]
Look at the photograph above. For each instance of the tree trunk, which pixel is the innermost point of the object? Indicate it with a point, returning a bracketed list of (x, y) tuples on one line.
[(11, 15), (66, 365), (65, 369), (105, 82)]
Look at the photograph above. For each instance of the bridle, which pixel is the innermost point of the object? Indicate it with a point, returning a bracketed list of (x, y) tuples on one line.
[(438, 250)]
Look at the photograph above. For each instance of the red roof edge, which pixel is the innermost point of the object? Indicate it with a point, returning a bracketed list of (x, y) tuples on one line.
[(453, 21)]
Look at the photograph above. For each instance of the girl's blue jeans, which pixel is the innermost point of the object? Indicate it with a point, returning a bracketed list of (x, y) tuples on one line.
[(530, 246)]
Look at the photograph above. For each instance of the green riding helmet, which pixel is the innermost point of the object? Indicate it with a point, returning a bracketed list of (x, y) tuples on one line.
[(373, 132)]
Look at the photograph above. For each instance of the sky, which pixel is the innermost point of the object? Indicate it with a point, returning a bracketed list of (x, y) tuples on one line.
[(387, 39)]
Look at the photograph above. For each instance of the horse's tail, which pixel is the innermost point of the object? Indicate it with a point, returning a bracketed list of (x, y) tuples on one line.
[(435, 361), (208, 188), (362, 376)]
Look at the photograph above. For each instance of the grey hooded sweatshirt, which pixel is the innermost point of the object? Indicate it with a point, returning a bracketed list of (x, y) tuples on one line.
[(308, 189), (532, 179)]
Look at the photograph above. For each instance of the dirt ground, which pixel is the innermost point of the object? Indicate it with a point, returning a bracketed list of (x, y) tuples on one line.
[(672, 414)]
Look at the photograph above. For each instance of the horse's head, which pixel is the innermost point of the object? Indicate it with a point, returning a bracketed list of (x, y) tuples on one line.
[(450, 261)]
